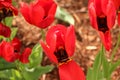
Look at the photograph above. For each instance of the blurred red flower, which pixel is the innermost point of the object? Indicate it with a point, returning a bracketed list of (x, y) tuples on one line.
[(7, 52), (24, 58), (59, 47), (117, 5), (6, 9), (10, 51), (102, 16), (41, 13), (4, 30)]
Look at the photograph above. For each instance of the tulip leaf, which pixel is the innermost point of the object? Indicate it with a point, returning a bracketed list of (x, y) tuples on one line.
[(6, 65), (35, 73), (8, 21), (114, 66), (64, 15), (36, 56), (13, 33)]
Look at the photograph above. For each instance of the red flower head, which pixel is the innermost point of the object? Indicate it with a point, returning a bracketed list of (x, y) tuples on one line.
[(102, 16), (25, 54), (24, 58), (117, 5), (40, 14), (59, 47), (7, 52), (16, 44), (6, 9), (4, 30)]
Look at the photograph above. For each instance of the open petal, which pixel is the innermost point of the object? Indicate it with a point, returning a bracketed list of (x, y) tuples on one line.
[(92, 15), (70, 40), (16, 44), (111, 14), (106, 39), (48, 52), (71, 71)]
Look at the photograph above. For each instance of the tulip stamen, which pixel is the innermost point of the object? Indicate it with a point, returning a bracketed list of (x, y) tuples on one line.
[(61, 55), (102, 23)]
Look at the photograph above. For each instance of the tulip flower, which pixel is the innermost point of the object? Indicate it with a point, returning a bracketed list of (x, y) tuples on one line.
[(6, 9), (117, 5), (10, 51), (41, 13), (4, 30), (7, 52), (102, 17), (59, 47)]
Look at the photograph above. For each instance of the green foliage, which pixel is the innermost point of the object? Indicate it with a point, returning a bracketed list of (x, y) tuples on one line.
[(64, 15), (102, 68), (8, 21)]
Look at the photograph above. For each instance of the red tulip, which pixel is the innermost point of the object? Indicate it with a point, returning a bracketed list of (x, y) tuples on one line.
[(4, 30), (7, 52), (10, 51), (117, 5), (59, 47), (6, 9), (40, 14), (16, 44), (102, 16), (25, 54), (24, 58)]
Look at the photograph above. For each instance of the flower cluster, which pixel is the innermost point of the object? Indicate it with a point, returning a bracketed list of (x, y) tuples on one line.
[(10, 51), (6, 10)]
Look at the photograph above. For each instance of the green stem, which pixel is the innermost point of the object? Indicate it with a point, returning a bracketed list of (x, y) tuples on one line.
[(115, 49)]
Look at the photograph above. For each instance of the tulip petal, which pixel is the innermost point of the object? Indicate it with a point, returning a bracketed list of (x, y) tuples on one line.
[(48, 52), (4, 30), (25, 11), (119, 18), (52, 10), (36, 14), (92, 15), (16, 44), (70, 40), (8, 52), (46, 21), (111, 13), (71, 71), (24, 58), (106, 39)]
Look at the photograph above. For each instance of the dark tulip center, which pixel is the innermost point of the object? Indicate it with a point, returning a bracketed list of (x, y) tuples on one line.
[(102, 23), (4, 12), (61, 55)]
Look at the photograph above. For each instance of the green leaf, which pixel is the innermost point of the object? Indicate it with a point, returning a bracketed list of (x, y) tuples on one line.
[(64, 15), (8, 21), (14, 32), (89, 74), (35, 73), (114, 66), (105, 67), (36, 56), (96, 66), (5, 65)]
